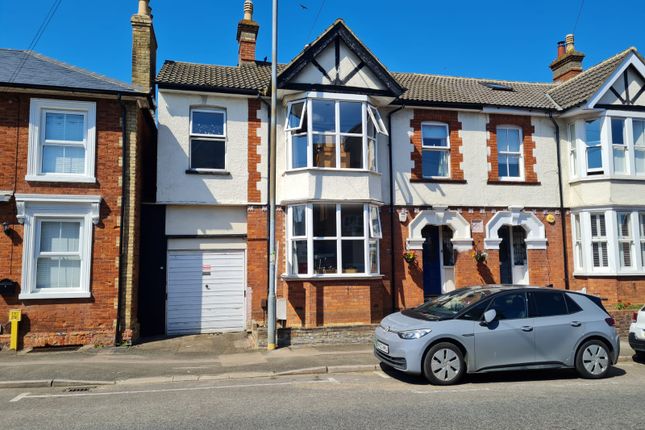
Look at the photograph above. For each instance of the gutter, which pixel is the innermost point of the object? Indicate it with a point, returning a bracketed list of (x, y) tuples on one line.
[(391, 178), (563, 218), (124, 139)]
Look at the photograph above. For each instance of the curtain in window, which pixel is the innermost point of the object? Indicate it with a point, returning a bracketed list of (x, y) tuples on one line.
[(55, 267)]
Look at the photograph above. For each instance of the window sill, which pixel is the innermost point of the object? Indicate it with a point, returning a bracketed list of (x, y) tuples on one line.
[(208, 172), (331, 170), (53, 295), (600, 178), (609, 274), (61, 178), (500, 182), (438, 181), (344, 276)]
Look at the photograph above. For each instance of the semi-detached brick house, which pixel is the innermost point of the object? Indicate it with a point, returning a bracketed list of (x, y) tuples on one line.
[(72, 181), (371, 164)]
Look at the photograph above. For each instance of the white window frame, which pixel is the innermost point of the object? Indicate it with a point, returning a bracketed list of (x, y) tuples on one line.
[(595, 171), (624, 147), (520, 153), (37, 110), (578, 250), (636, 148), (208, 137), (32, 210), (429, 148), (628, 239), (367, 115), (613, 240), (640, 231), (573, 151), (367, 238)]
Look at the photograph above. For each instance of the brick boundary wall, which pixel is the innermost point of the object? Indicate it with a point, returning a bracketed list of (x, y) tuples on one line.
[(451, 118), (528, 144)]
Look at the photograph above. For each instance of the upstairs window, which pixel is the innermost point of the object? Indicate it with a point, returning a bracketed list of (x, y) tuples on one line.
[(638, 132), (62, 140), (593, 149), (208, 139), (618, 144), (573, 150), (334, 134), (510, 159), (436, 150)]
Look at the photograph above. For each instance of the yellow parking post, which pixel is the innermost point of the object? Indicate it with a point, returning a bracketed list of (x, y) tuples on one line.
[(14, 316)]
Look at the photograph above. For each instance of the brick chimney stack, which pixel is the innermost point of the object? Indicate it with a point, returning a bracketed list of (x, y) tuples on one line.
[(247, 35), (569, 61), (144, 48)]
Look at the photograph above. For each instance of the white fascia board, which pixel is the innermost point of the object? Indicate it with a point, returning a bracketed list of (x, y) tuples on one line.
[(512, 111), (632, 59)]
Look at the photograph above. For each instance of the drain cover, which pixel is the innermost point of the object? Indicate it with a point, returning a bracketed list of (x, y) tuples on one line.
[(77, 389)]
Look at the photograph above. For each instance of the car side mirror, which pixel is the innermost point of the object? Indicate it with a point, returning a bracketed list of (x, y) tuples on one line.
[(489, 317)]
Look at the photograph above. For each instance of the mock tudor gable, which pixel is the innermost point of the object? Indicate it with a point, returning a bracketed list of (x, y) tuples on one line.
[(338, 61)]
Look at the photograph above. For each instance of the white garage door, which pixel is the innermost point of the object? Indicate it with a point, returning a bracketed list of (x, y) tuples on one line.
[(205, 292)]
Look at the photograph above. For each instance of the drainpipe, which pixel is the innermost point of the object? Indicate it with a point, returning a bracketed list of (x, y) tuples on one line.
[(124, 139), (563, 218), (392, 211)]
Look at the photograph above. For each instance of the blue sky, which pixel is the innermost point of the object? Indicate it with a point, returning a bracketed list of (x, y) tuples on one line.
[(513, 40)]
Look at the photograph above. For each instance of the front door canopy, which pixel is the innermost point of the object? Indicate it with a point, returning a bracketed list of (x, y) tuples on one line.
[(334, 62), (461, 238), (535, 231)]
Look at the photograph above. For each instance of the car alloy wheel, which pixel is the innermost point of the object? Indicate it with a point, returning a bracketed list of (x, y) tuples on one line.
[(593, 360), (444, 364)]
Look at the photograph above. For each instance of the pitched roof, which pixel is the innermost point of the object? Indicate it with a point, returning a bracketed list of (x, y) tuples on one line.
[(36, 70), (455, 90), (579, 88), (248, 78)]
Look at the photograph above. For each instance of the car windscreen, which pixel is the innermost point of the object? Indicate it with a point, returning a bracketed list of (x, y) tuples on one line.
[(449, 305)]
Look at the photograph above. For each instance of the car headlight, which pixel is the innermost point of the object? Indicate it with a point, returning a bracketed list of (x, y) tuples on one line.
[(414, 334)]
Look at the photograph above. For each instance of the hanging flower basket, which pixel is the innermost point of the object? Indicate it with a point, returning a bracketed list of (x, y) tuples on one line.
[(479, 256), (410, 257)]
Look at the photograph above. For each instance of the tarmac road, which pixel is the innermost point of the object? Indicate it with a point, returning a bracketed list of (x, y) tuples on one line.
[(380, 399)]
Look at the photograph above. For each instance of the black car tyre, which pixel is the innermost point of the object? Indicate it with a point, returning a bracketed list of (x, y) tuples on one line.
[(593, 359), (444, 364)]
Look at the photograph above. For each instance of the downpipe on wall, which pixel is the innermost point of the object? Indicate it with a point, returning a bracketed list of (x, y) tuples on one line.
[(392, 210)]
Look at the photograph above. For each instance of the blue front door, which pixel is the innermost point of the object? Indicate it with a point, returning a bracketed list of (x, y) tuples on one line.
[(431, 261)]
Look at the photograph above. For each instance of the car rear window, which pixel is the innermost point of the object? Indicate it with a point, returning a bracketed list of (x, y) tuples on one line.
[(547, 304), (572, 306)]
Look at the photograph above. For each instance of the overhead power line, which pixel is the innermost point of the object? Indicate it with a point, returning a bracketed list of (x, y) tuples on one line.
[(36, 38), (582, 4)]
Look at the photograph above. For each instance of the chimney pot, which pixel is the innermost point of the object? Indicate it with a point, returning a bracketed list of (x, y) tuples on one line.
[(561, 50), (248, 10), (144, 8), (569, 42)]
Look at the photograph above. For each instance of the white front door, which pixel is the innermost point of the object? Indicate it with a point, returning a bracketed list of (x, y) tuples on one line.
[(206, 292)]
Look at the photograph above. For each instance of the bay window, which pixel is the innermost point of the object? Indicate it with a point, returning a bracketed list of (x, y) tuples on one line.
[(613, 145), (436, 150), (327, 133), (609, 242), (333, 239)]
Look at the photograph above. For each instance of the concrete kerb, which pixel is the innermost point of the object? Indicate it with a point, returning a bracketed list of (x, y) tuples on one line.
[(62, 383)]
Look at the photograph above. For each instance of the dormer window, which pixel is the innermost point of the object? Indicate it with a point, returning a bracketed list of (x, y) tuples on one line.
[(333, 134)]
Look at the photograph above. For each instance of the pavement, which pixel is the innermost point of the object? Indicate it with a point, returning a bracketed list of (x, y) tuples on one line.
[(184, 359)]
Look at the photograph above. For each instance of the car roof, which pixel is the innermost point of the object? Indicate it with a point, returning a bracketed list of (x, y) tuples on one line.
[(498, 288)]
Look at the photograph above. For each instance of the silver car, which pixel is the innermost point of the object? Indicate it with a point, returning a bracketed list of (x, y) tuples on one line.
[(490, 328)]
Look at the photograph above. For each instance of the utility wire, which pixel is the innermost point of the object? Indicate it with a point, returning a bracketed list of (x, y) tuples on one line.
[(582, 3), (39, 33), (322, 4)]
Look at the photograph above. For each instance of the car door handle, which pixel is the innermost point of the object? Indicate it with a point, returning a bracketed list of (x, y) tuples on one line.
[(576, 323), (527, 328)]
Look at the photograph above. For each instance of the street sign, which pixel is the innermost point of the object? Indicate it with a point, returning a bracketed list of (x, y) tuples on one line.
[(15, 315)]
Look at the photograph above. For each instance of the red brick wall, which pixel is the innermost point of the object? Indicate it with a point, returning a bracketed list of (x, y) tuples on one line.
[(63, 321), (254, 194), (454, 126), (545, 266), (524, 122)]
